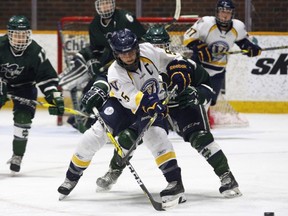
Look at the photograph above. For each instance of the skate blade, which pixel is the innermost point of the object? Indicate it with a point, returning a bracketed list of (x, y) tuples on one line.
[(62, 197), (172, 201), (13, 173), (235, 192), (103, 189)]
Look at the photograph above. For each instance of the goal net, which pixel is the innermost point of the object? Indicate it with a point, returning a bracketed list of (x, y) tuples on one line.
[(73, 36)]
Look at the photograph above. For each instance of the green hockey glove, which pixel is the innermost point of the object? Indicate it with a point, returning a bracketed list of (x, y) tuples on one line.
[(96, 96), (55, 98), (188, 97)]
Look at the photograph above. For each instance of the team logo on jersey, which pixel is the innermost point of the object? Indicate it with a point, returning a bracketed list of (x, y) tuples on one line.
[(150, 86), (11, 71), (115, 85), (109, 110), (219, 47)]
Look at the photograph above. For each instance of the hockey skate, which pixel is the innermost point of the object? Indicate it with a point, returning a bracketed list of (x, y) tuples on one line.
[(173, 194), (229, 186), (106, 182), (15, 163), (66, 187)]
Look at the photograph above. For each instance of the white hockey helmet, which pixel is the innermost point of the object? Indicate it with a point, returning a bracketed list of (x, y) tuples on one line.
[(105, 8)]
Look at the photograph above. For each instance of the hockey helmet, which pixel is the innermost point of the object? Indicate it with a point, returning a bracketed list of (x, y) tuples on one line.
[(158, 36), (19, 32), (124, 41), (227, 6), (105, 8)]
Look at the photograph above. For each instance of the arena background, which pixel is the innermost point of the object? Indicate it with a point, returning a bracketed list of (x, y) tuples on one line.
[(265, 15)]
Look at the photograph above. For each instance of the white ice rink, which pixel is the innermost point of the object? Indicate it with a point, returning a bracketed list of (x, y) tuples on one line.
[(258, 157)]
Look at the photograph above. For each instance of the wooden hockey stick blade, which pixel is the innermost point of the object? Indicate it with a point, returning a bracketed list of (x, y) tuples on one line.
[(176, 14), (156, 205)]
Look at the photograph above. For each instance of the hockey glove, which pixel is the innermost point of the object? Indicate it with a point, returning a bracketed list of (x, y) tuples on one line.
[(3, 93), (151, 105), (55, 98), (253, 50), (188, 97), (179, 73), (96, 96), (204, 53)]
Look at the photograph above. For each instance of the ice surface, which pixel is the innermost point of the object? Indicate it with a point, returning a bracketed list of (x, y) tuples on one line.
[(258, 157)]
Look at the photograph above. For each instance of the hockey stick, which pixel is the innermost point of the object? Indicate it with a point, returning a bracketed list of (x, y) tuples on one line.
[(245, 51), (146, 127), (157, 206), (30, 102), (176, 14), (73, 92)]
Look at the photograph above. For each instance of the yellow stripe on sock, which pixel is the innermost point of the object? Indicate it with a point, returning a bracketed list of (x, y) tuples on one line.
[(165, 157), (80, 163)]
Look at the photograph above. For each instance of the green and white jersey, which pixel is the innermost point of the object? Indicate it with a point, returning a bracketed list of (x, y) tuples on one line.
[(30, 67)]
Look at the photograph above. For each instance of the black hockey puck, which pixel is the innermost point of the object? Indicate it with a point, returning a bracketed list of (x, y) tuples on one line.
[(268, 213)]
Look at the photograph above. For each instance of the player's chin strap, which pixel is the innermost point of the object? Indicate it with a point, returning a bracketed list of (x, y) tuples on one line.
[(30, 102), (147, 126), (245, 51), (157, 205)]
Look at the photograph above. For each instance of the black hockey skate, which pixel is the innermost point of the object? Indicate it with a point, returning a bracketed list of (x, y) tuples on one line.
[(66, 187), (229, 186), (173, 194), (106, 182), (15, 163)]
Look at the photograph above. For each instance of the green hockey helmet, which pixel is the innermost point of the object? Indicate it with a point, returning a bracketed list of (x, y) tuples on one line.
[(158, 36), (19, 32)]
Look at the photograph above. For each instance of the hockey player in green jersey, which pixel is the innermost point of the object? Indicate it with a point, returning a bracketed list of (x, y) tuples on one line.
[(23, 64), (86, 64)]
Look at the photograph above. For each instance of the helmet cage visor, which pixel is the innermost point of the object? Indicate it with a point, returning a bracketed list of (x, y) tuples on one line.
[(222, 22), (19, 39), (105, 8)]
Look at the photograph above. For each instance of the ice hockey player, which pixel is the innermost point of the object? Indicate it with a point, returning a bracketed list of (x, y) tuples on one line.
[(136, 94), (211, 35), (188, 113), (23, 64)]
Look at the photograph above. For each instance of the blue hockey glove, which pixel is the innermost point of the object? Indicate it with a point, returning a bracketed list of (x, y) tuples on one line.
[(96, 96), (253, 50), (151, 105), (3, 93), (179, 73), (55, 98)]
